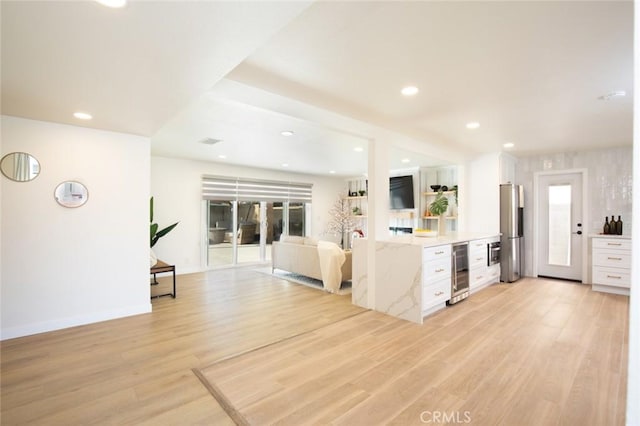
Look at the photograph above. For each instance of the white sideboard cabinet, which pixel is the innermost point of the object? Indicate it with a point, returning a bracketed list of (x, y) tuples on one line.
[(611, 264)]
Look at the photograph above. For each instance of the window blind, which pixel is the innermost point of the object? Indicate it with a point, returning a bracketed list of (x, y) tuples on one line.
[(220, 188)]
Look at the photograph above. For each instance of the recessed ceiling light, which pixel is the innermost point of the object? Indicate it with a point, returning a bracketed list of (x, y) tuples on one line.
[(613, 95), (473, 125), (410, 91), (285, 165), (287, 133), (82, 115), (358, 149), (333, 172), (222, 156), (113, 3), (405, 160), (508, 145)]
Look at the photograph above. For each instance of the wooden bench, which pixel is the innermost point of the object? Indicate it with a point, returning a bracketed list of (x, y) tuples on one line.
[(160, 268)]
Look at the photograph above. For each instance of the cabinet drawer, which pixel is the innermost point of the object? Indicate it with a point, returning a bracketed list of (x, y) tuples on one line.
[(436, 293), (612, 258), (437, 252), (477, 260), (494, 273), (612, 276), (478, 246), (478, 276), (436, 270), (611, 243)]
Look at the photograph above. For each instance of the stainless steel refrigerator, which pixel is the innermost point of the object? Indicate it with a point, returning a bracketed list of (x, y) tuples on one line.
[(511, 228)]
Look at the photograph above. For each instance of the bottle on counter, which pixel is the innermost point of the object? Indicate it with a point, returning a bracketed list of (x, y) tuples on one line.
[(612, 226), (619, 226), (607, 228)]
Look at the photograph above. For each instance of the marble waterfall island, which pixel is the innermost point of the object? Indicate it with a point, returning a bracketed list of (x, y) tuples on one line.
[(412, 274)]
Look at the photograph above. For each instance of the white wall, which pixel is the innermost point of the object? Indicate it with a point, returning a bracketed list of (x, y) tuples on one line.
[(609, 187), (485, 173), (176, 185), (65, 267), (482, 193), (633, 377), (633, 380)]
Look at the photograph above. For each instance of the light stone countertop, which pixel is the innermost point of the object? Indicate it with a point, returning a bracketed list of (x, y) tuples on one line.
[(449, 238), (624, 237)]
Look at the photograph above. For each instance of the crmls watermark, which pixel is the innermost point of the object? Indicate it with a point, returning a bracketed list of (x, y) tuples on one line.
[(446, 417)]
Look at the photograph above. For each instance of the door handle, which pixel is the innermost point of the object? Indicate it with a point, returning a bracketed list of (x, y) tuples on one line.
[(579, 232)]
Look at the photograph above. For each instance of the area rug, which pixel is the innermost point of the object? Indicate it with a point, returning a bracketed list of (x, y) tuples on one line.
[(345, 287)]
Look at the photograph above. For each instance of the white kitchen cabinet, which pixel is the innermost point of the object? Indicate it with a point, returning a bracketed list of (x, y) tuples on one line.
[(436, 277), (611, 264), (480, 273)]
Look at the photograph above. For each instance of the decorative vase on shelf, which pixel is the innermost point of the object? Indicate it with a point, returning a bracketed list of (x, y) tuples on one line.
[(442, 225)]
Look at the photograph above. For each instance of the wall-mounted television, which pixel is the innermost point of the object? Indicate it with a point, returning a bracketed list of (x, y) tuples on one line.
[(401, 192)]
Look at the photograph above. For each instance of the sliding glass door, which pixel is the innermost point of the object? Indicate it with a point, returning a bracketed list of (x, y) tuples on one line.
[(241, 232), (244, 216)]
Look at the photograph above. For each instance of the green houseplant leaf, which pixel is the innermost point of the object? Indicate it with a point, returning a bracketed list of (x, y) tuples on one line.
[(439, 205), (154, 234)]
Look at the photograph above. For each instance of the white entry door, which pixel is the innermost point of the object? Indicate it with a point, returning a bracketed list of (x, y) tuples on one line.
[(560, 226)]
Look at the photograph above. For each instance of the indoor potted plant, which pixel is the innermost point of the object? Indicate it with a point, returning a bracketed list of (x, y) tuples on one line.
[(438, 208), (155, 235)]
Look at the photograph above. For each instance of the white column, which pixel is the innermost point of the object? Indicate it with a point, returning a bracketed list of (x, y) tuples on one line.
[(378, 223)]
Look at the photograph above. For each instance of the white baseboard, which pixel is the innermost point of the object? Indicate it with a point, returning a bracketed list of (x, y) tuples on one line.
[(58, 324), (611, 289), (183, 270)]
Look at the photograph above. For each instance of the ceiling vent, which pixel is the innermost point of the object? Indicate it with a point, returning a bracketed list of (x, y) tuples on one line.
[(210, 141)]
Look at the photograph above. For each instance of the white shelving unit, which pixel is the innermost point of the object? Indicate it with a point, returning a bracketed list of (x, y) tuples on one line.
[(444, 176), (358, 201)]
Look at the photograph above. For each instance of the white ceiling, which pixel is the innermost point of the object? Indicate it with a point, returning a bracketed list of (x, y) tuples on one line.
[(131, 68), (529, 72)]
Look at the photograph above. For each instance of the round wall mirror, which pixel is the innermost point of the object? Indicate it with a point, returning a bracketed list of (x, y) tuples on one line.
[(71, 194), (20, 166)]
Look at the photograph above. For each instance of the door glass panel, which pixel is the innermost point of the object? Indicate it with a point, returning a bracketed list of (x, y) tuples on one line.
[(278, 220), (248, 231), (560, 225), (296, 219), (220, 233), (269, 228)]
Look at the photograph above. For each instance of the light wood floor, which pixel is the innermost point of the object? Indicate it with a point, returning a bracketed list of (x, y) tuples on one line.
[(138, 370), (533, 352)]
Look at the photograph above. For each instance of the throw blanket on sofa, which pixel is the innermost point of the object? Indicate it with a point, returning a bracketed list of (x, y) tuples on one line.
[(331, 260)]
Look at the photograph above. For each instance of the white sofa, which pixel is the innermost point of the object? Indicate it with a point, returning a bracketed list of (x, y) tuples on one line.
[(300, 255)]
